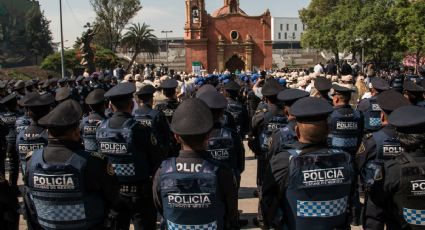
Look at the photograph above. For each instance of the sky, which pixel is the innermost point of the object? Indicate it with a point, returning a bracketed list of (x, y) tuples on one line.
[(159, 14)]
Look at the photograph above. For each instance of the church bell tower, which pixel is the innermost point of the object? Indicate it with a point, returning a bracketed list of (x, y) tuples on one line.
[(195, 20)]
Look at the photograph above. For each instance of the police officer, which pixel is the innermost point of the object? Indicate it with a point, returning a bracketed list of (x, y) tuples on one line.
[(9, 207), (397, 197), (153, 118), (169, 105), (9, 118), (79, 186), (285, 136), (414, 93), (132, 151), (264, 123), (62, 94), (208, 190), (397, 82), (323, 86), (370, 107), (236, 108), (308, 187), (96, 102)]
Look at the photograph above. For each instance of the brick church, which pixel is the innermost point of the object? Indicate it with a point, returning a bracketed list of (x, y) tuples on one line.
[(226, 39)]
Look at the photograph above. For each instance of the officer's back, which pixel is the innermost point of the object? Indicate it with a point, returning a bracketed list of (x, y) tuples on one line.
[(309, 186), (190, 191), (79, 186)]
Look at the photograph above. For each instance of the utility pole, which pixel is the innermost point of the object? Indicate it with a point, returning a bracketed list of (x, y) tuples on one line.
[(62, 49), (166, 32)]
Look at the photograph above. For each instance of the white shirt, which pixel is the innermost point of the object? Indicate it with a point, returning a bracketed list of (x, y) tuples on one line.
[(318, 69)]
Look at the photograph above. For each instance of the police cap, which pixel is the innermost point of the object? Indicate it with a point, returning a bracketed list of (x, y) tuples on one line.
[(232, 85), (391, 100), (169, 84), (66, 114), (9, 99), (380, 84), (96, 96), (146, 90), (62, 94), (322, 84), (79, 78), (62, 80), (341, 89), (271, 88), (205, 88), (411, 87), (213, 99), (311, 109), (289, 96), (408, 119), (29, 83), (192, 117), (34, 99), (121, 91)]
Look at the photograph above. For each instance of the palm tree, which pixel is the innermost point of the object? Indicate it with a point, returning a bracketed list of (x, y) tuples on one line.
[(139, 38)]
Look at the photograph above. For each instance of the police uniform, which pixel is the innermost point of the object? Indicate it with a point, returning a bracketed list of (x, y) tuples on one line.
[(9, 207), (309, 186), (397, 196), (370, 107), (96, 101), (9, 118), (79, 186), (237, 109), (264, 123), (285, 136), (131, 149), (167, 107), (155, 119), (190, 191)]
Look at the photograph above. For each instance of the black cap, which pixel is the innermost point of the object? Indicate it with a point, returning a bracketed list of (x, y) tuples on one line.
[(62, 80), (322, 84), (65, 114), (289, 96), (411, 87), (9, 98), (205, 88), (391, 100), (271, 88), (34, 99), (408, 119), (29, 83), (311, 109), (380, 84), (62, 94), (214, 99), (46, 84), (96, 96), (79, 78), (146, 90), (232, 85), (192, 117), (169, 84), (121, 91), (341, 89)]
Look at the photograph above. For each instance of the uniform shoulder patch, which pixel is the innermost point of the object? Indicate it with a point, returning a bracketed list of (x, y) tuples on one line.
[(362, 149), (98, 155), (368, 135), (29, 154)]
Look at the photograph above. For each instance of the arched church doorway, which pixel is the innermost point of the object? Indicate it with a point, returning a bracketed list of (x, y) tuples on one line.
[(235, 63)]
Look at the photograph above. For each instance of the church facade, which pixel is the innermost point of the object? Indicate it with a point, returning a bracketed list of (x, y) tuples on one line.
[(226, 39)]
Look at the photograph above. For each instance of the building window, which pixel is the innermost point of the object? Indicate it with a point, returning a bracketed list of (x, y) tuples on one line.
[(295, 27), (286, 35), (287, 27), (293, 36), (281, 27), (279, 36)]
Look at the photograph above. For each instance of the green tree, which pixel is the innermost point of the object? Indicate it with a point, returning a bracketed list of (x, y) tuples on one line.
[(139, 38), (38, 35), (53, 61), (112, 16), (322, 26), (410, 18)]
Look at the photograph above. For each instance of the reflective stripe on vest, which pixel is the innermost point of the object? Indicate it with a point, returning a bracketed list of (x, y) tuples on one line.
[(327, 208)]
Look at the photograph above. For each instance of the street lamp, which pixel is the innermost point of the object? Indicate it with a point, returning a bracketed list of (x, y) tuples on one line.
[(166, 32), (62, 48), (362, 43), (292, 41)]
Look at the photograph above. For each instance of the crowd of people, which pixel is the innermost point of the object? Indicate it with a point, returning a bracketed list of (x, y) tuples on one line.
[(103, 151)]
